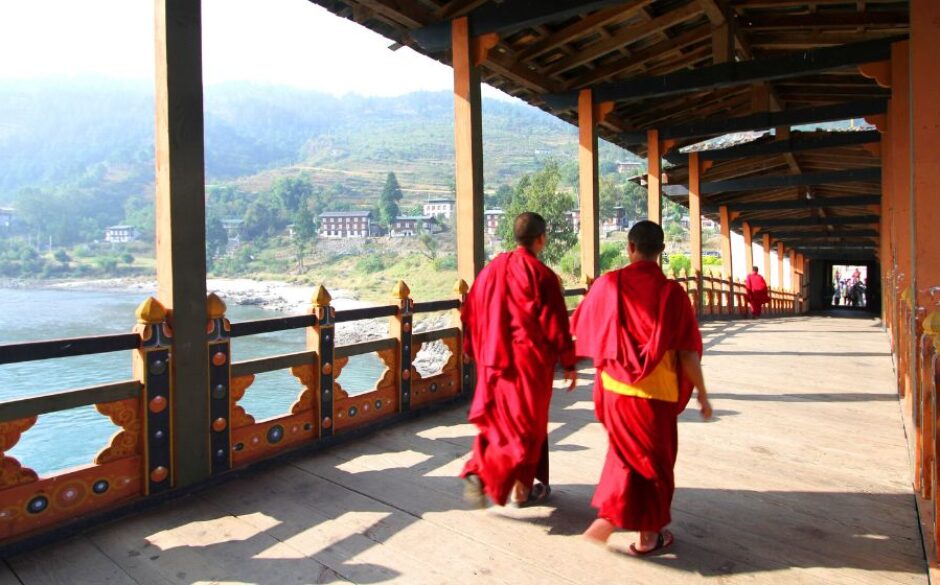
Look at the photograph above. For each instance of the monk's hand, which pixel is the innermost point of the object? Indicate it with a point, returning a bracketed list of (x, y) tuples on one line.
[(571, 376), (705, 407)]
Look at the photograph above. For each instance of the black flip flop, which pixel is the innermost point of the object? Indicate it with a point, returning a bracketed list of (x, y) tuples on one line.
[(664, 540), (538, 494)]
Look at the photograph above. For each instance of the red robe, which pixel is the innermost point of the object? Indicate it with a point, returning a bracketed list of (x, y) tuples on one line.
[(516, 329), (757, 295), (626, 323)]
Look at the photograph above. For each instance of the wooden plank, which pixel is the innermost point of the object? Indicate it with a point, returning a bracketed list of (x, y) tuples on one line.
[(433, 306), (695, 217), (654, 182), (435, 335), (365, 347), (75, 561), (348, 315), (272, 363), (56, 401), (826, 235), (270, 325), (818, 202), (505, 18), (829, 20), (769, 182), (765, 120), (181, 227), (731, 73), (57, 348), (468, 149)]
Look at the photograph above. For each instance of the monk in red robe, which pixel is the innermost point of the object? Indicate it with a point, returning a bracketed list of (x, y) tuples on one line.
[(516, 330), (757, 294), (641, 331)]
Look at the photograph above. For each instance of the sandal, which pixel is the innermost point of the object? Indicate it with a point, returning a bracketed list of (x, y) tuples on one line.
[(538, 494), (473, 491), (664, 540)]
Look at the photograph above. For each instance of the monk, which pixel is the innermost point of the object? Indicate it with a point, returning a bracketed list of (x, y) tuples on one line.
[(757, 294), (641, 332), (516, 330)]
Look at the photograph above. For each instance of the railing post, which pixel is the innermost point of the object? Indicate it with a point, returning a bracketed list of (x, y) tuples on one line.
[(400, 326), (321, 338), (152, 368), (218, 333), (467, 374)]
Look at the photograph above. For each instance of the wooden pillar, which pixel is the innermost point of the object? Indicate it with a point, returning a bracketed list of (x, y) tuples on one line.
[(468, 148), (727, 269), (588, 197), (887, 236), (780, 253), (767, 265), (654, 177), (181, 228), (748, 248), (695, 223), (899, 122)]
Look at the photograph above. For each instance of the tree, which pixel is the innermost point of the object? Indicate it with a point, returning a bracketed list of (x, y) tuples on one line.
[(610, 195), (388, 201), (501, 198), (216, 239), (291, 192), (539, 193), (261, 219), (305, 232)]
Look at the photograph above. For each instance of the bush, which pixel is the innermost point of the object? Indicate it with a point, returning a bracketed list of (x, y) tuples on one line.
[(83, 251), (612, 257), (62, 256), (127, 258), (106, 264), (369, 264), (445, 263), (678, 263)]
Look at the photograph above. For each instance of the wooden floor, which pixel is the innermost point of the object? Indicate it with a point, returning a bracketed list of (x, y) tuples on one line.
[(802, 478)]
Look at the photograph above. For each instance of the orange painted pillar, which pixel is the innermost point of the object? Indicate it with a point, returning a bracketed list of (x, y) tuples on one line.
[(695, 223), (726, 265), (925, 205), (748, 248), (767, 264), (468, 150), (780, 253), (588, 196), (654, 178)]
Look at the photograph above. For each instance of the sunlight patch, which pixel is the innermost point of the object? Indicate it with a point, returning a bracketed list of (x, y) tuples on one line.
[(383, 461), (325, 534), (581, 405), (872, 536), (449, 432), (450, 469), (204, 533)]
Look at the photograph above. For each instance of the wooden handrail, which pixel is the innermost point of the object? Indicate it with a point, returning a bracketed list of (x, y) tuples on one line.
[(57, 348), (18, 408)]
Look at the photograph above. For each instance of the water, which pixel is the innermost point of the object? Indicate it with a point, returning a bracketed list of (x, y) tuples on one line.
[(66, 439)]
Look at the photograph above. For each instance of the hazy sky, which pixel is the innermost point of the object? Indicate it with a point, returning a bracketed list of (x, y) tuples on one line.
[(291, 42)]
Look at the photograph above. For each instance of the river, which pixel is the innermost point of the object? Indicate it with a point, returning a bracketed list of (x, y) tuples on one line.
[(69, 438)]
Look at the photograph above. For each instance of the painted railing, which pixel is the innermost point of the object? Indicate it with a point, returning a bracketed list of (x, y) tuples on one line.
[(136, 464), (713, 296)]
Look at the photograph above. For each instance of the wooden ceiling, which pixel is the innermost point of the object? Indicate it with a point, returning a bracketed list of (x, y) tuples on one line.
[(721, 62)]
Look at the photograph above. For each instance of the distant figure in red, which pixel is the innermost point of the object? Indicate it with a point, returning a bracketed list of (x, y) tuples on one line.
[(516, 330), (640, 330), (757, 294)]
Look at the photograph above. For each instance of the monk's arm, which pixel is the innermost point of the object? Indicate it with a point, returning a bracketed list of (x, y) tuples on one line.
[(692, 367)]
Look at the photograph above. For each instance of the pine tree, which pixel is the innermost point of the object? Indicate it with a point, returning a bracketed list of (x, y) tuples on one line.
[(388, 201)]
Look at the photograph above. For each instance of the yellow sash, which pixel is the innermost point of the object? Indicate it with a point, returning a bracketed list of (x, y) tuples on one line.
[(661, 384)]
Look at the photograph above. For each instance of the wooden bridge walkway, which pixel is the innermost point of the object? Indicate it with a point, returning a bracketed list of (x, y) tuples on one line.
[(802, 478)]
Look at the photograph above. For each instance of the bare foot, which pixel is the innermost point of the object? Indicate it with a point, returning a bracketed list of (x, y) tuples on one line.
[(519, 493), (599, 531)]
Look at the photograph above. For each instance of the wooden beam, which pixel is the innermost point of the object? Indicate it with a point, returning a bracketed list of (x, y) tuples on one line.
[(769, 182), (839, 235), (765, 120), (654, 200), (457, 8), (841, 19), (816, 203), (796, 143), (180, 229), (586, 25), (468, 149), (808, 221), (748, 247), (767, 266), (780, 256), (733, 73), (625, 36), (727, 267), (588, 197), (507, 17)]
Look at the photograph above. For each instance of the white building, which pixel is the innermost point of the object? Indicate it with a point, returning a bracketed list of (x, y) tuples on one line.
[(119, 234), (440, 208), (345, 224), (407, 226), (491, 219), (6, 217)]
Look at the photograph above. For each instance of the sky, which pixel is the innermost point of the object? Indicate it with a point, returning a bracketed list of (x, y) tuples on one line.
[(283, 42)]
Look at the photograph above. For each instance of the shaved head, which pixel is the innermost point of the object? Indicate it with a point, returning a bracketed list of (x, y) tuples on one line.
[(528, 227), (648, 238)]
